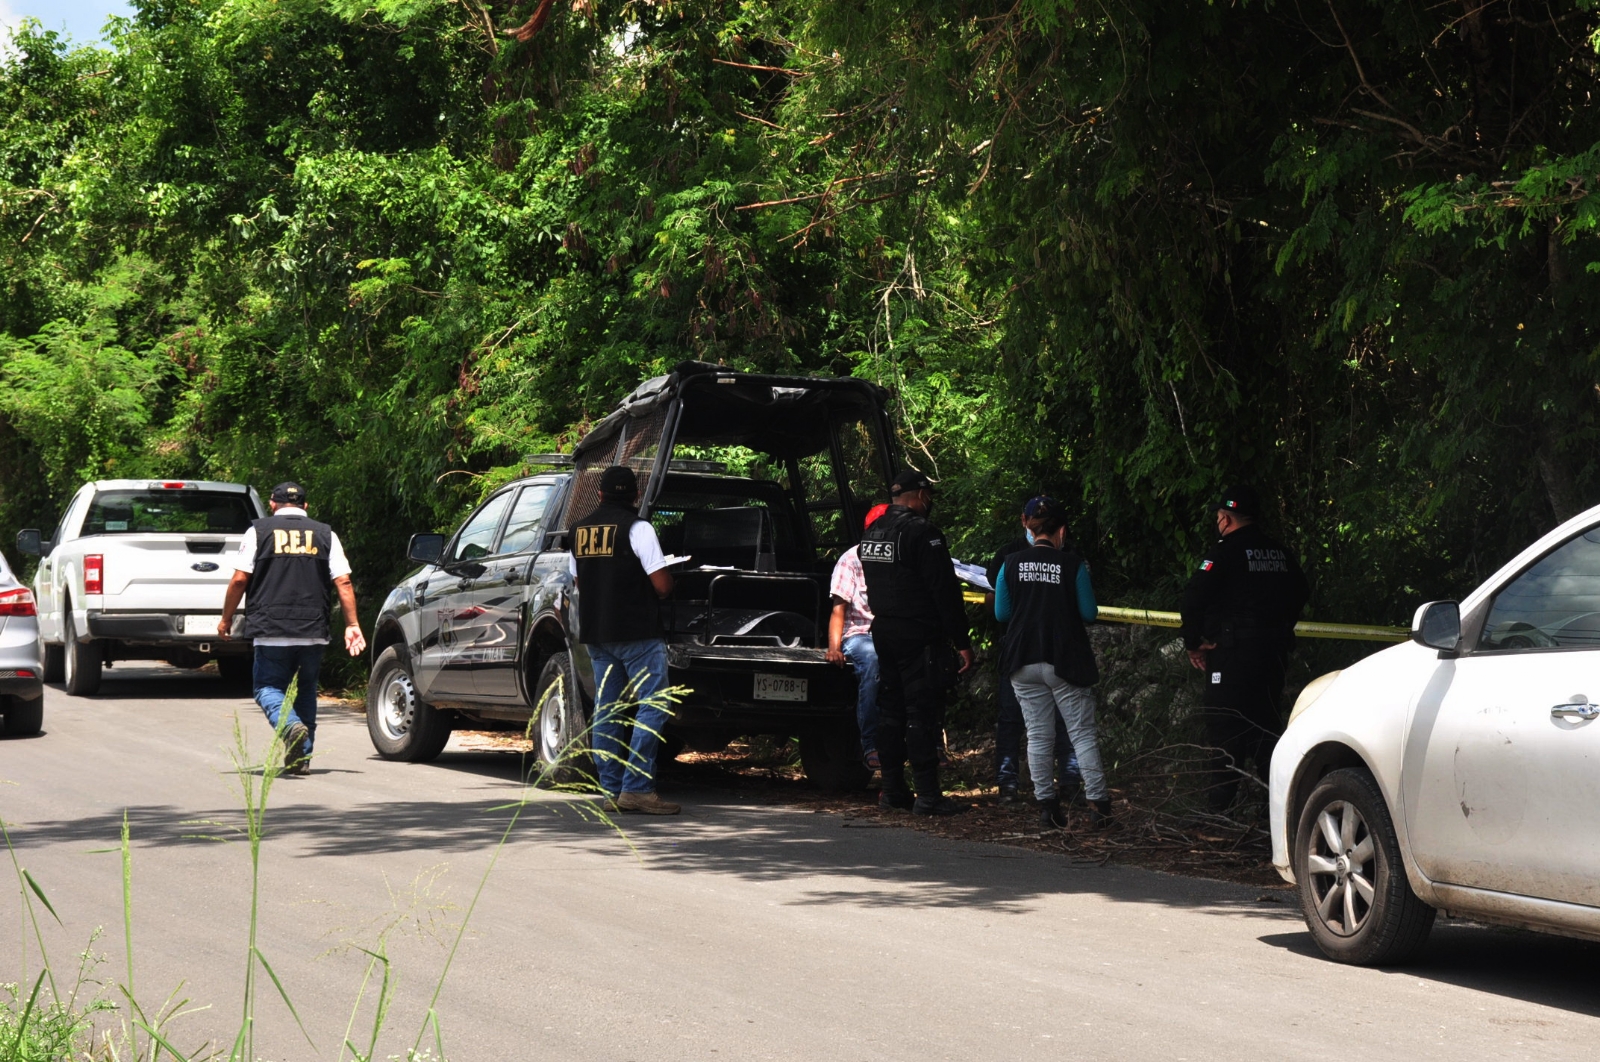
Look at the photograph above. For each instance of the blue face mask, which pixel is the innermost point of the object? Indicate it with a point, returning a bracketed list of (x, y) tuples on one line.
[(1029, 533)]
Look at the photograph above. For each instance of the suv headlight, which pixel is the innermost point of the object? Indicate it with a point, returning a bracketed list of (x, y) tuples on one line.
[(1314, 689)]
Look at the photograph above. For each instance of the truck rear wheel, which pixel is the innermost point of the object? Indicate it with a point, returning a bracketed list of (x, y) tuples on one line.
[(832, 759), (560, 727), (81, 669), (52, 661), (401, 724), (237, 672)]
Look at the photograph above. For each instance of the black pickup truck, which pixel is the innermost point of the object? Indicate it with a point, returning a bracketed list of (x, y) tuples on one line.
[(760, 480)]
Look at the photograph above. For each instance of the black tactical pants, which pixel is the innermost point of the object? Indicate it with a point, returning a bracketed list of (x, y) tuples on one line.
[(912, 679), (1241, 708)]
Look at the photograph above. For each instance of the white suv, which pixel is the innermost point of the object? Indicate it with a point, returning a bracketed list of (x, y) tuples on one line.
[(1456, 772), (137, 570)]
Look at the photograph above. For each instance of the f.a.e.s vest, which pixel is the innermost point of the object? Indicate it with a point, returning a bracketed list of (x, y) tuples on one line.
[(616, 602), (1045, 626), (289, 588)]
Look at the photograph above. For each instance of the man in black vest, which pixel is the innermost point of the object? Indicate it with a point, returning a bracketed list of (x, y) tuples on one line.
[(1239, 612), (1044, 594), (1009, 725), (919, 628), (288, 563), (621, 576)]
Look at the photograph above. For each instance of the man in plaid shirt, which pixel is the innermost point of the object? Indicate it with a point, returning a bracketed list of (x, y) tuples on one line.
[(850, 638)]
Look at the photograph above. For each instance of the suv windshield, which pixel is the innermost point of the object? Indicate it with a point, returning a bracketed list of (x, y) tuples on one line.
[(119, 512)]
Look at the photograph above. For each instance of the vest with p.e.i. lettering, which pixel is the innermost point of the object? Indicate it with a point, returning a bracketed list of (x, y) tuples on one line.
[(616, 602), (289, 588)]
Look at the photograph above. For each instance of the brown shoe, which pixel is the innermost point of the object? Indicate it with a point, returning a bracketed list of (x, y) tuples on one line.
[(646, 804)]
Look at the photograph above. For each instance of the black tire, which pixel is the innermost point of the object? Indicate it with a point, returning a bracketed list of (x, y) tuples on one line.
[(24, 718), (560, 724), (832, 759), (52, 662), (1339, 858), (81, 668), (401, 724), (236, 672)]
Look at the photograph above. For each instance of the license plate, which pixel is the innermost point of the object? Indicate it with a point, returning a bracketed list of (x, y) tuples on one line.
[(781, 688), (201, 624)]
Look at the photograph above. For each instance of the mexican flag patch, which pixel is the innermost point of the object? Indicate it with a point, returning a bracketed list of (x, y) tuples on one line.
[(1205, 565)]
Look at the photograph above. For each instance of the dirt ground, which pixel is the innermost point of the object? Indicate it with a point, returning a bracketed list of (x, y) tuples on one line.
[(1193, 843)]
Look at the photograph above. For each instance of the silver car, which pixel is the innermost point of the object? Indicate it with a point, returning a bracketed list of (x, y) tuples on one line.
[(21, 680)]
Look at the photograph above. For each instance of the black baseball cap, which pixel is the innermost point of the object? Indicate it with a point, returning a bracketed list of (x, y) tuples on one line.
[(619, 481), (1045, 507), (908, 481), (289, 493), (1241, 500)]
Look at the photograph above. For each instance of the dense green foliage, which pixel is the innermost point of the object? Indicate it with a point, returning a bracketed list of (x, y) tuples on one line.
[(1123, 252)]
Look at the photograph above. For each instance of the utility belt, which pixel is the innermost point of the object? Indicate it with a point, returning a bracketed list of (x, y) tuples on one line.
[(1233, 634), (938, 661)]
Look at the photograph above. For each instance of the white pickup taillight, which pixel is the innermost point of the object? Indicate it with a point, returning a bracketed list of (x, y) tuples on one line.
[(17, 603), (93, 573)]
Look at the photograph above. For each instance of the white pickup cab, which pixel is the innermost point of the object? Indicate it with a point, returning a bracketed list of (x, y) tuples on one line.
[(137, 570)]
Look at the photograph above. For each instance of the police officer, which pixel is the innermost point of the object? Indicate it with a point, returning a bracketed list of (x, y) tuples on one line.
[(288, 563), (1239, 612), (919, 628), (621, 577)]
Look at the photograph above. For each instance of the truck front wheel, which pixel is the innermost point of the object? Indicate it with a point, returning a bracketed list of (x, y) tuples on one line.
[(832, 759), (560, 727), (83, 659), (401, 724)]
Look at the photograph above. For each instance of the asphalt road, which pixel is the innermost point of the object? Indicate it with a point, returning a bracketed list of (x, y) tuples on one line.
[(735, 931)]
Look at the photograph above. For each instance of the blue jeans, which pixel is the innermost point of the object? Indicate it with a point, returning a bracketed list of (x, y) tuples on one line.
[(275, 667), (1008, 739), (863, 656), (1045, 695), (627, 674)]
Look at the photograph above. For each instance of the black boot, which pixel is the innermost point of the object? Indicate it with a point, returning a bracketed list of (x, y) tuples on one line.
[(1051, 817), (938, 805), (1100, 814), (1008, 795)]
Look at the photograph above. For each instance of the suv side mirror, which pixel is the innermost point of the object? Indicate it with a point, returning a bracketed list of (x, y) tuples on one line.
[(425, 549), (30, 542), (1437, 625)]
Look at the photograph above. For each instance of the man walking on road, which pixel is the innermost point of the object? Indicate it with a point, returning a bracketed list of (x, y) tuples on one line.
[(1239, 612), (621, 576), (1045, 594), (919, 628), (287, 564)]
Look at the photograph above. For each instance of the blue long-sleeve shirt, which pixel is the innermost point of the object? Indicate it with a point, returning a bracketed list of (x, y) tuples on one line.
[(1088, 608)]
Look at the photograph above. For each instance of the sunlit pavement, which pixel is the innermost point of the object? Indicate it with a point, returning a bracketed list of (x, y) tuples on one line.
[(734, 931)]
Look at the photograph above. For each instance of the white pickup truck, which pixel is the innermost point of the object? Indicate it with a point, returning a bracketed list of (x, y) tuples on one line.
[(137, 570)]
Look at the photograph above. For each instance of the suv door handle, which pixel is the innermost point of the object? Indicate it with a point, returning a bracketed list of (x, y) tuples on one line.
[(513, 575), (464, 584), (1576, 710)]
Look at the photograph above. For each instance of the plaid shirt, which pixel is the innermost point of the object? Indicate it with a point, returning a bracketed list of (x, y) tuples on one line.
[(849, 585)]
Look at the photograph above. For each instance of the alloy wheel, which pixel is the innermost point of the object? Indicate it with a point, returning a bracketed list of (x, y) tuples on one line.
[(1342, 865), (552, 722)]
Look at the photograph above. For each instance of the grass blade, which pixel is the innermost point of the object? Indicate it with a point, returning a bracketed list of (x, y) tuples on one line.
[(27, 1012), (286, 1001), (39, 892), (161, 1043)]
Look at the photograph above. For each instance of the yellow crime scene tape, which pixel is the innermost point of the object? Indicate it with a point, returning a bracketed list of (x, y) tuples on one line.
[(1355, 632)]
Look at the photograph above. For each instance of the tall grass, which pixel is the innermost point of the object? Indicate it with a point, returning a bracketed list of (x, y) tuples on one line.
[(99, 1021)]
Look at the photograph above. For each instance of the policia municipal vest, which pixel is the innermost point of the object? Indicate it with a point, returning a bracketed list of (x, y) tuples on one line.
[(1045, 625), (616, 602), (288, 596)]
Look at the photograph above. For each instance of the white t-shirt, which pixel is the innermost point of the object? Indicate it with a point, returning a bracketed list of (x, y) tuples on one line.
[(642, 537), (338, 568)]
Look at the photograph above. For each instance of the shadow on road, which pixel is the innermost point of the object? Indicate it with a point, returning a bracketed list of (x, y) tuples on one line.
[(1534, 967), (147, 680)]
